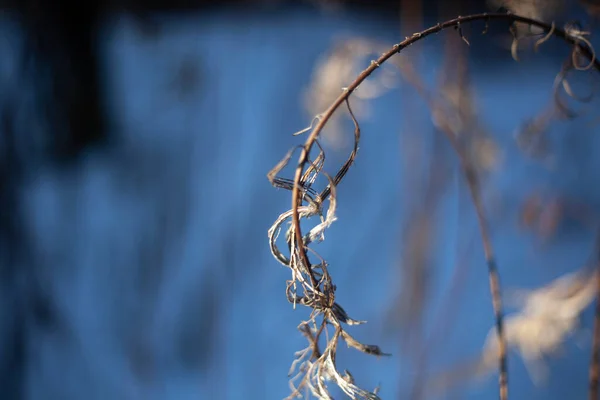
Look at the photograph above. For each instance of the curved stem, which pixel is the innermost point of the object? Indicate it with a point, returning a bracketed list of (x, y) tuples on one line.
[(453, 23)]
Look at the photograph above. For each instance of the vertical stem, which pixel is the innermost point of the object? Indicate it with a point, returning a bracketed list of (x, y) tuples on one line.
[(494, 277), (595, 361)]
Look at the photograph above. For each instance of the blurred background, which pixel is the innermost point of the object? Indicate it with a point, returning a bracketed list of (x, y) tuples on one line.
[(135, 139)]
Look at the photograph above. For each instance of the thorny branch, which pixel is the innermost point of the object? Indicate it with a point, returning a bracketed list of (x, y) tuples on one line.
[(317, 289)]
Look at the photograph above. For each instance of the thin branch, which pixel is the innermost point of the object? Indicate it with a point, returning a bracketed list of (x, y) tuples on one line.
[(494, 278), (595, 361), (583, 48)]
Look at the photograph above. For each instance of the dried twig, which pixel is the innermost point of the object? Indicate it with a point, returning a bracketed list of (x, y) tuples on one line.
[(595, 359), (318, 291), (548, 316)]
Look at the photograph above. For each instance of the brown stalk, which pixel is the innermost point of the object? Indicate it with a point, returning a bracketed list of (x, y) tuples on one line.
[(469, 172), (595, 359), (595, 362)]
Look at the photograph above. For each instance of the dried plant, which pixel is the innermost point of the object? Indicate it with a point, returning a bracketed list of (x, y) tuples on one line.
[(342, 63), (544, 213), (595, 358), (312, 285), (592, 7), (542, 10), (531, 137), (548, 316)]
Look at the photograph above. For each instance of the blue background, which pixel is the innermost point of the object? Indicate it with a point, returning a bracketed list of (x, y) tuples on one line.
[(155, 252)]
